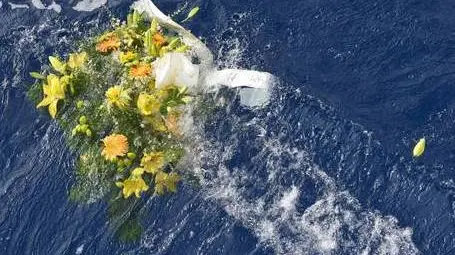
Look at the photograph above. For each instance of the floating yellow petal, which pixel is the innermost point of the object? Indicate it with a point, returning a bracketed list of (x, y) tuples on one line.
[(419, 148), (114, 146), (152, 162), (53, 91), (133, 185), (117, 96), (147, 104)]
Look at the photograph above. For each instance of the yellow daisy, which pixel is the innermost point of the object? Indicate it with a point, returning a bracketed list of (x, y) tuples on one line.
[(117, 96)]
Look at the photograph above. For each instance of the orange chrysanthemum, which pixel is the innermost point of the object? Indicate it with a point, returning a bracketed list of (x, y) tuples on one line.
[(114, 146), (108, 44), (141, 70), (158, 39)]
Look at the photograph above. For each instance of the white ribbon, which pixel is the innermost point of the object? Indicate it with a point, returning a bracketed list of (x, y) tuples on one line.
[(254, 85)]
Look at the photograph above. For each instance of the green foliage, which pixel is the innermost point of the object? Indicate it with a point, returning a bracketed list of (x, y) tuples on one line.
[(34, 93), (37, 75), (86, 118), (130, 231), (124, 217)]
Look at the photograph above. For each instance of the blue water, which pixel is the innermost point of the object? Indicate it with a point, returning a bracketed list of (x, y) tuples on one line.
[(325, 168)]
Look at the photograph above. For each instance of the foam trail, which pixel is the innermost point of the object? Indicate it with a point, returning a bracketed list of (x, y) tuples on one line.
[(18, 6), (284, 198)]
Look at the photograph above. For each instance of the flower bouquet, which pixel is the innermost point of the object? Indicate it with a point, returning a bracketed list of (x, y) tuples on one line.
[(120, 100)]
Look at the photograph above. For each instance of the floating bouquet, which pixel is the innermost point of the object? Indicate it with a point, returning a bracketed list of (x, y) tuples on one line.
[(120, 100)]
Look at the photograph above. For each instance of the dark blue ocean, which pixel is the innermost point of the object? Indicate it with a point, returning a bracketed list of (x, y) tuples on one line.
[(324, 168)]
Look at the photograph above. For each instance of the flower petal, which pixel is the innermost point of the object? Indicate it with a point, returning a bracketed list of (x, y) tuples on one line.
[(45, 102), (53, 108)]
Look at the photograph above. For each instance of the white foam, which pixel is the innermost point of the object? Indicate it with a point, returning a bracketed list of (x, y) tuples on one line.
[(79, 250), (53, 6), (89, 5), (18, 6), (289, 199)]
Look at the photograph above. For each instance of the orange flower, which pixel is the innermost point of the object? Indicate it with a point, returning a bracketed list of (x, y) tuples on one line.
[(140, 70), (114, 146), (158, 39), (110, 43)]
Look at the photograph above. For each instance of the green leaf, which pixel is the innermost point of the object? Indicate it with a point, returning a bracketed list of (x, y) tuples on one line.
[(136, 17), (37, 75), (182, 49), (154, 26), (58, 65), (129, 20), (150, 46), (191, 14), (174, 42)]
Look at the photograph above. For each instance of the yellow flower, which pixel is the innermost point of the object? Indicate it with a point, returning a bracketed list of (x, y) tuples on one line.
[(152, 162), (140, 70), (147, 104), (114, 146), (76, 60), (126, 57), (117, 96), (134, 184), (109, 42), (58, 65), (54, 91), (164, 181), (138, 171)]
